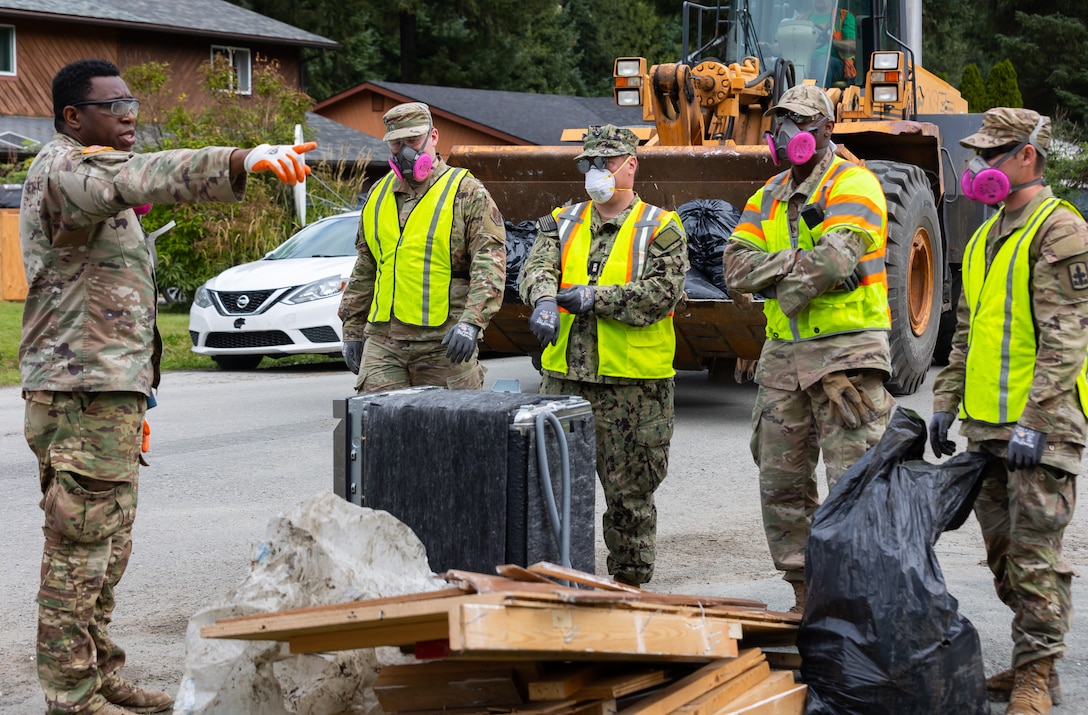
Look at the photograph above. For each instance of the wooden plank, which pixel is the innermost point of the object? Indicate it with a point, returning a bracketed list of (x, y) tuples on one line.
[(687, 689), (779, 681), (791, 702), (783, 660), (284, 625), (553, 707), (520, 573), (596, 707), (567, 630), (616, 686), (714, 699), (456, 690), (568, 574), (370, 635), (564, 683)]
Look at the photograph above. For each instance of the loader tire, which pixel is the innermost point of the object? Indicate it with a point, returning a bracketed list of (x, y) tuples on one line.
[(914, 260)]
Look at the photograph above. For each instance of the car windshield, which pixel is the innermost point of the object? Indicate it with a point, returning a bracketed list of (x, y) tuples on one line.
[(331, 237)]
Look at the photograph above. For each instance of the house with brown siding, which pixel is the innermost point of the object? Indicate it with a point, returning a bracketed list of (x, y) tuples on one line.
[(38, 37)]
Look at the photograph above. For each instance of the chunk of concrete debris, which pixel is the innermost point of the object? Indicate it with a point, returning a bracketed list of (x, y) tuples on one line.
[(324, 551)]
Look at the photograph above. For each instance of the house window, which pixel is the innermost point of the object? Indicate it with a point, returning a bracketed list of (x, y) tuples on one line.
[(7, 49), (239, 58)]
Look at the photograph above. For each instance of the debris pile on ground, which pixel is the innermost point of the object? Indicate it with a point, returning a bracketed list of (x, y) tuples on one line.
[(527, 642), (323, 551)]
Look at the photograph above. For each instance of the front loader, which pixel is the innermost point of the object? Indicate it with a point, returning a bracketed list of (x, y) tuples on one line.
[(708, 142)]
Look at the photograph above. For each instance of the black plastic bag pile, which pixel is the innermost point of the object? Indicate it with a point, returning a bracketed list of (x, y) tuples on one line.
[(881, 633), (519, 241), (708, 224)]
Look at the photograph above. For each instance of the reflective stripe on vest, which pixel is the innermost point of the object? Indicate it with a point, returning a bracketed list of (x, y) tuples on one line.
[(1001, 344), (850, 198), (412, 282), (622, 350)]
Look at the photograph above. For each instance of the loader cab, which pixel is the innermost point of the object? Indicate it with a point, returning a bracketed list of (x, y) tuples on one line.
[(800, 32)]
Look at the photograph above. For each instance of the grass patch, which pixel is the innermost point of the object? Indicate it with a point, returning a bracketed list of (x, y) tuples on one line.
[(177, 352)]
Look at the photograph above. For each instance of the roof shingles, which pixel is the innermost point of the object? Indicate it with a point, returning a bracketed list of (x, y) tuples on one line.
[(216, 17)]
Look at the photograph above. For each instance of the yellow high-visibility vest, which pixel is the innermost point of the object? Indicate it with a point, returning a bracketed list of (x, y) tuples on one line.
[(412, 282), (622, 350), (850, 197), (1001, 342)]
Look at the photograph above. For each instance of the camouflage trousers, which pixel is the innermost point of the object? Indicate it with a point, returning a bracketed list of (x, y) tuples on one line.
[(87, 445), (634, 425), (1023, 515), (389, 364), (790, 430)]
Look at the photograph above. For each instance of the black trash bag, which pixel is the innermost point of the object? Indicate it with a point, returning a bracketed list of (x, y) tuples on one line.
[(698, 287), (519, 241), (880, 632), (708, 224)]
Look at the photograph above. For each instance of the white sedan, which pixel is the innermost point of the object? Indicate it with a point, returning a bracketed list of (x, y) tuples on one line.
[(284, 304)]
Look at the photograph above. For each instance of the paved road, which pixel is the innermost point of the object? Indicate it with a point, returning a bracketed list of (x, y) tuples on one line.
[(230, 451)]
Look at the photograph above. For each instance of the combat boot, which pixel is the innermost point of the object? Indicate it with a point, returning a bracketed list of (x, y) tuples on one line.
[(999, 686), (1029, 689), (111, 709), (798, 597), (133, 699)]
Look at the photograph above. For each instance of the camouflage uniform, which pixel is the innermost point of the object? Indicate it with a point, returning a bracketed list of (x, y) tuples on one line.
[(793, 420), (634, 417), (89, 359), (1023, 513), (397, 354)]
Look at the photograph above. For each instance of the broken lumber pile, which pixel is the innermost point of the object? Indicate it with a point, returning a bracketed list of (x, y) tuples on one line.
[(526, 642)]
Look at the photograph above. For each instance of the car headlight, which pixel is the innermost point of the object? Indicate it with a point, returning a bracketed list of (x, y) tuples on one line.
[(202, 299), (324, 288)]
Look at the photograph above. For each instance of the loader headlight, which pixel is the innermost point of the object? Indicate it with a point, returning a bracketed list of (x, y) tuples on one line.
[(629, 67), (886, 94), (324, 288), (886, 60), (630, 97)]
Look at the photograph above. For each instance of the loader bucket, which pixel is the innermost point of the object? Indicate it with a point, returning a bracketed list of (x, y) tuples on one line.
[(529, 181)]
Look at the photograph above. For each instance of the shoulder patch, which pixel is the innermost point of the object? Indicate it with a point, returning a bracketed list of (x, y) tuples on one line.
[(666, 238), (1066, 238), (95, 148), (546, 223)]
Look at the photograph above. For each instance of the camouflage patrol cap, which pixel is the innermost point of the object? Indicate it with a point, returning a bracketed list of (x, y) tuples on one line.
[(608, 140), (405, 121), (1005, 125), (808, 100)]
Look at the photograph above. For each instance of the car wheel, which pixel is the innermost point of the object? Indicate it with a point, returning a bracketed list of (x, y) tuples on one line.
[(237, 362)]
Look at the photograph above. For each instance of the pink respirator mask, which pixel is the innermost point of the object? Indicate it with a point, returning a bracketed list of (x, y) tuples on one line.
[(988, 184), (409, 162), (793, 144)]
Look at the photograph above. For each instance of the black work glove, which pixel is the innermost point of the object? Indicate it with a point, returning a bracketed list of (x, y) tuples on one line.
[(1025, 448), (852, 281), (577, 299), (938, 434), (461, 342), (544, 321), (353, 354)]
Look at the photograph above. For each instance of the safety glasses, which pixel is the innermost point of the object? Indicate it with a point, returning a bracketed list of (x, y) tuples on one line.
[(991, 153), (116, 107), (798, 118), (592, 162)]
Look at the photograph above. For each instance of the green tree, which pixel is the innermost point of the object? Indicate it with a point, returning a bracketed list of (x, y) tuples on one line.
[(1057, 44), (1001, 86), (973, 89)]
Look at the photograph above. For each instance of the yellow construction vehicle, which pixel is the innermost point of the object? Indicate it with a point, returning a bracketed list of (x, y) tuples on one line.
[(708, 141)]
